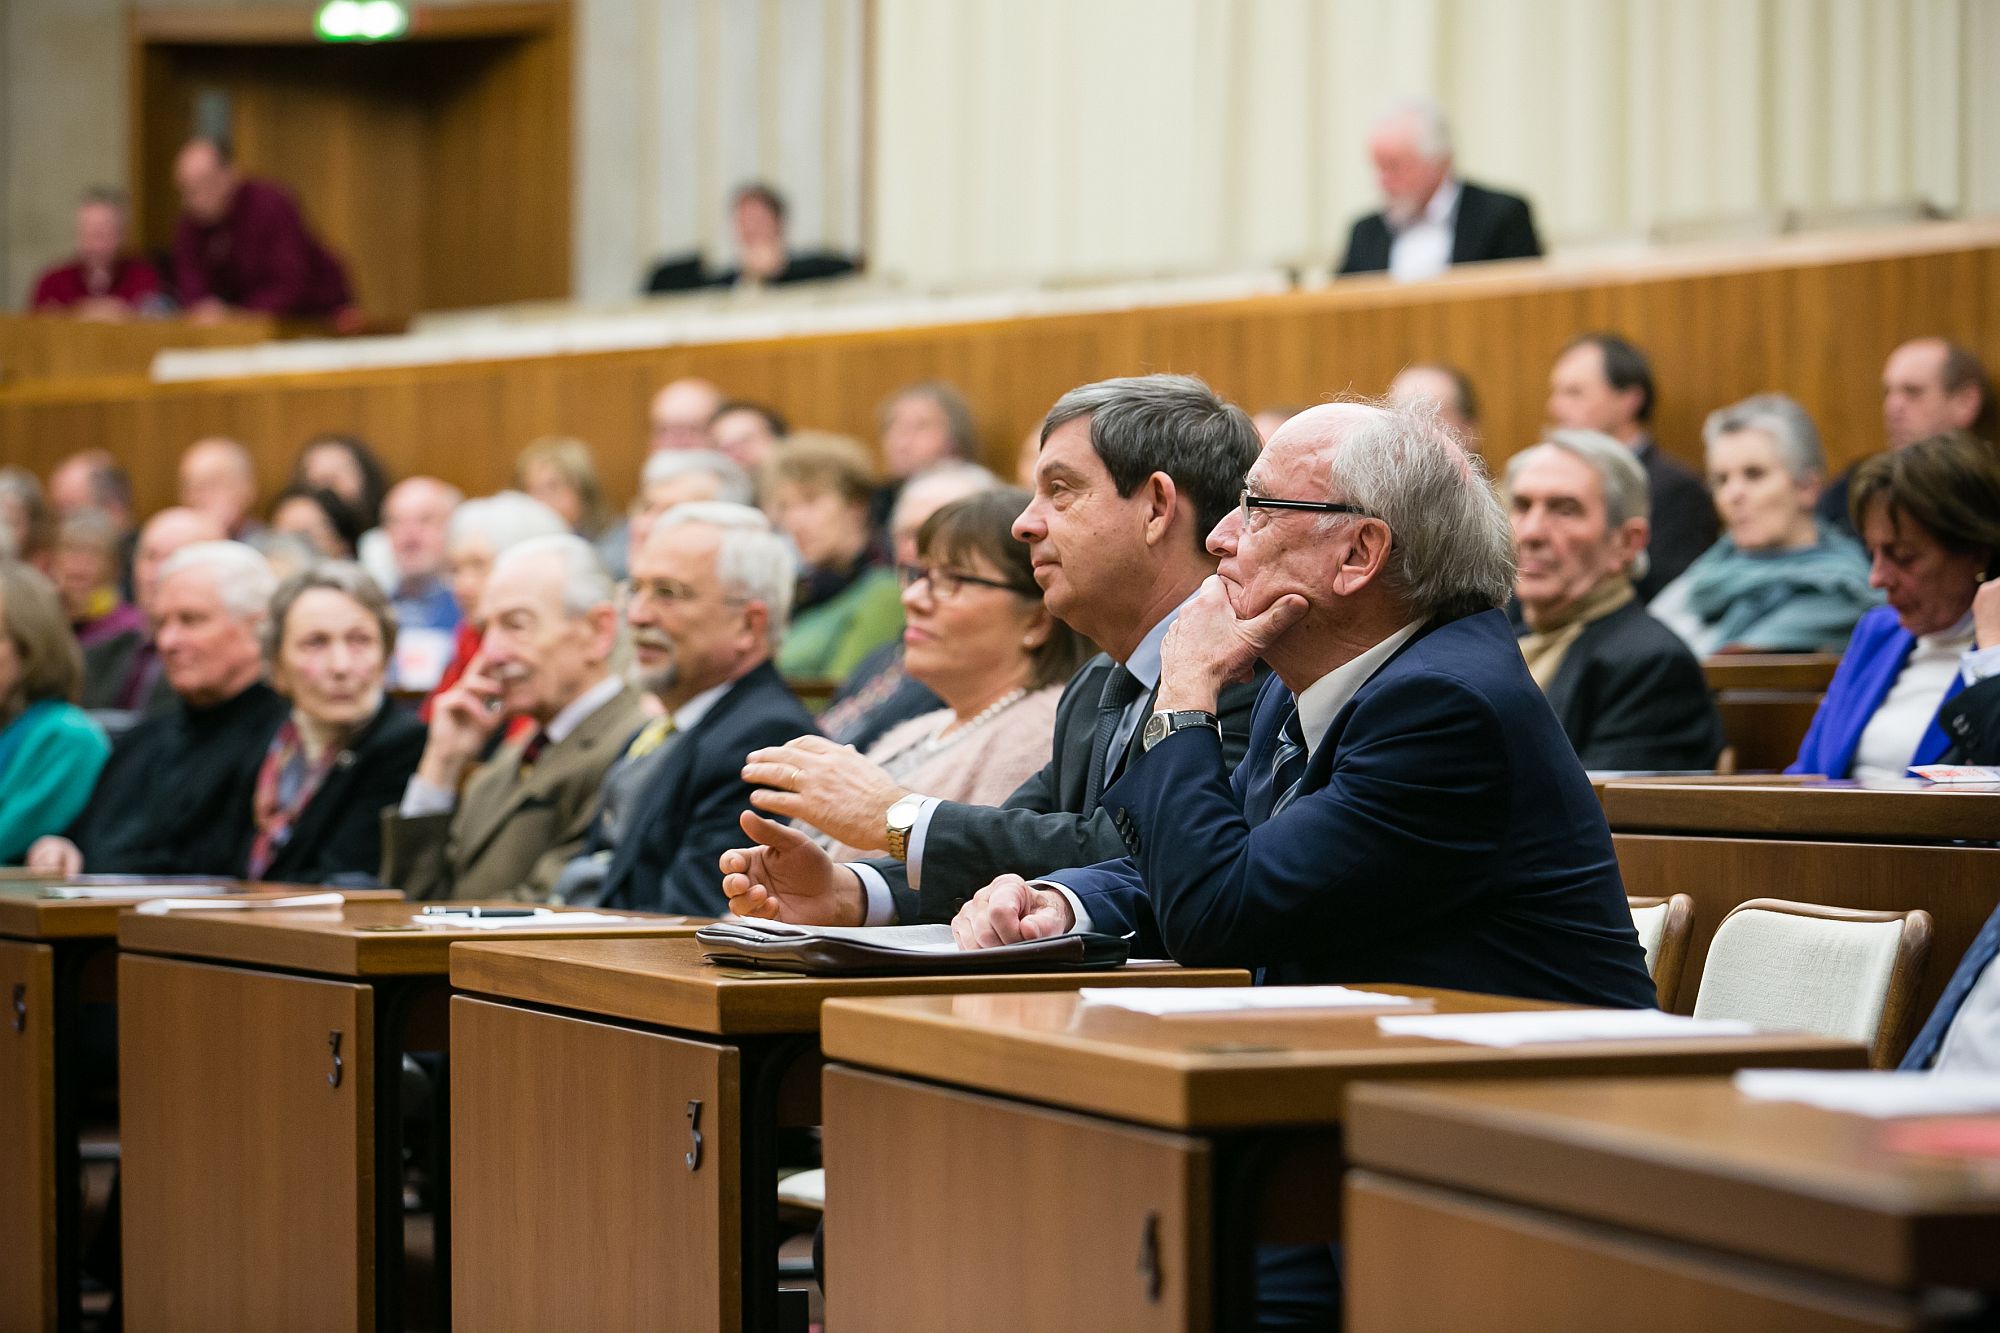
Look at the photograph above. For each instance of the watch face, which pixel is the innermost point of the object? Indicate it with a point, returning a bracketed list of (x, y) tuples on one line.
[(1156, 729), (903, 813)]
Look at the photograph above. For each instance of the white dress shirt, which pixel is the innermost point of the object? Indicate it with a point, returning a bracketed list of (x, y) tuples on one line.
[(422, 798), (1890, 739), (1422, 249), (1972, 1043)]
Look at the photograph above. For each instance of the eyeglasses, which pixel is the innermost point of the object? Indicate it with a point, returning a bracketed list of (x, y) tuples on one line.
[(1245, 502), (665, 592), (946, 582)]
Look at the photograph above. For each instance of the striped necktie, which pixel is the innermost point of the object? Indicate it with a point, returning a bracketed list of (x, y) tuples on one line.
[(1288, 764)]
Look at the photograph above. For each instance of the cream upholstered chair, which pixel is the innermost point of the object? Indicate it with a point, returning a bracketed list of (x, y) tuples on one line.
[(1664, 925), (803, 1191), (1830, 970)]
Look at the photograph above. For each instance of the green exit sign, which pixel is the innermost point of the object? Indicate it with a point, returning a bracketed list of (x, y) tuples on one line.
[(361, 21)]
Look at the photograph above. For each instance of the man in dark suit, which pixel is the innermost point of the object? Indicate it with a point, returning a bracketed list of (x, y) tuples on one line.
[(1627, 690), (1432, 218), (763, 256), (1132, 473), (707, 603), (1929, 387), (1602, 382)]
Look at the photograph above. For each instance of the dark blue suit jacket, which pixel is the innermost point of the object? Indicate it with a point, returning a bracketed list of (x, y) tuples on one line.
[(1445, 836), (1868, 669)]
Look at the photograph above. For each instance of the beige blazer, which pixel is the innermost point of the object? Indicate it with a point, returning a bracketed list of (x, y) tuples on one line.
[(509, 837)]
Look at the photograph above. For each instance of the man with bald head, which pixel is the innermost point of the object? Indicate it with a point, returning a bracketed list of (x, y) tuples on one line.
[(1445, 388), (242, 245), (1431, 217), (124, 673), (1929, 386), (680, 413), (219, 479)]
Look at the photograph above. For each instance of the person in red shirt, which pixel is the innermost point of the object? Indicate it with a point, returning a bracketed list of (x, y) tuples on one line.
[(242, 244), (102, 281)]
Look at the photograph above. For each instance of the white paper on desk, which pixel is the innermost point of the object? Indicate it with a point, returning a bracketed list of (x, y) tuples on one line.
[(1957, 773), (128, 893), (1536, 1026), (237, 903), (1880, 1093), (1164, 1001), (542, 919), (910, 939)]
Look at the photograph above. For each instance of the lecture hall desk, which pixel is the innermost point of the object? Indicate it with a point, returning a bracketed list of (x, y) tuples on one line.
[(615, 1108), (1655, 1204), (260, 1060), (1026, 1161), (1880, 847), (54, 955)]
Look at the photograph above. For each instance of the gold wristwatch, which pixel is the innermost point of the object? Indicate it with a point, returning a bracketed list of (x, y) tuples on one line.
[(903, 818)]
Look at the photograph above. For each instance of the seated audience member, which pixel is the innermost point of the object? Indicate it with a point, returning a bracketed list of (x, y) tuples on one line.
[(50, 750), (242, 245), (1431, 217), (1269, 419), (817, 491), (706, 606), (346, 752), (1929, 387), (763, 256), (551, 629), (172, 797), (1628, 692), (678, 477), (922, 425), (319, 518), (1962, 1034), (480, 532), (1603, 383), (219, 478), (124, 674), (25, 515), (747, 433), (979, 637), (101, 281), (416, 516), (1777, 581), (880, 694), (92, 479), (85, 571), (1448, 389), (1930, 518), (347, 467), (562, 474), (1133, 475), (680, 415)]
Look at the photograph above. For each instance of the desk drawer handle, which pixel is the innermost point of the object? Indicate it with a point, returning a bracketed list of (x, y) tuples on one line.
[(20, 1006), (1149, 1257), (693, 1155), (333, 1075)]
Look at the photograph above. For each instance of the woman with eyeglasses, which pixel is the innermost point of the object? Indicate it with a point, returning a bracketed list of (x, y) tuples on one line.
[(977, 634)]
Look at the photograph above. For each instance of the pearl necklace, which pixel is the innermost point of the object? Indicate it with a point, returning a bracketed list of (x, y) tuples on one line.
[(953, 732)]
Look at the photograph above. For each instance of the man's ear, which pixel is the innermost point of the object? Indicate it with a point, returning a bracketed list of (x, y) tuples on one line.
[(603, 625), (756, 625), (1633, 534), (1163, 502), (1367, 556)]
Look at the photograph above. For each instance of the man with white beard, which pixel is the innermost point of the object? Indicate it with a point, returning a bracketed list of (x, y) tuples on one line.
[(706, 606)]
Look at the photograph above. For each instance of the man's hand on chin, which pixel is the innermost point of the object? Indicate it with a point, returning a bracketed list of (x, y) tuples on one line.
[(1008, 911)]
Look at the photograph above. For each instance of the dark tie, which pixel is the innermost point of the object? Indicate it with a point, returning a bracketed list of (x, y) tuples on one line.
[(1288, 764), (1985, 949), (1121, 687), (533, 751)]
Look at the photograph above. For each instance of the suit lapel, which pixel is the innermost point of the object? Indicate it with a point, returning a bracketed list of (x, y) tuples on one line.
[(498, 794)]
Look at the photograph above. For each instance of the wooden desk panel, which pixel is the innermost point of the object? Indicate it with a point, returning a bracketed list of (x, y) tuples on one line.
[(26, 914), (1808, 673), (248, 1152), (27, 1145), (1796, 807)]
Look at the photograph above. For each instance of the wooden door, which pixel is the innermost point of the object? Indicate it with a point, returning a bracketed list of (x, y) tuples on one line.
[(948, 1209), (27, 1143), (247, 1112), (581, 1196)]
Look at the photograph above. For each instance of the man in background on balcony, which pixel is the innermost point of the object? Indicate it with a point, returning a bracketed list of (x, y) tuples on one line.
[(243, 245)]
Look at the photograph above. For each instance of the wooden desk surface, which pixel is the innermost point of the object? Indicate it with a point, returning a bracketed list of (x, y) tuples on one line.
[(1909, 810), (669, 983), (1239, 1071), (25, 914), (357, 940), (1694, 1160)]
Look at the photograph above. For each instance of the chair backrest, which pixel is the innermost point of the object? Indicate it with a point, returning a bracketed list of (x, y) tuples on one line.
[(1829, 970), (1664, 925)]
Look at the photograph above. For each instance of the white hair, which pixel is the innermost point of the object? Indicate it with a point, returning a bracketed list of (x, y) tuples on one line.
[(243, 578), (1619, 475), (952, 479), (751, 561), (1788, 424), (667, 464), (585, 584), (503, 520), (1430, 132)]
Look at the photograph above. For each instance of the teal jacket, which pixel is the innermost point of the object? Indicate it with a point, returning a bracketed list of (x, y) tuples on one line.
[(50, 757)]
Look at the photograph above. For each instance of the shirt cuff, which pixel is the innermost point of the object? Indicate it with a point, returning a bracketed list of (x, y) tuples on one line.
[(915, 860), (1084, 924), (880, 907), (1979, 664), (422, 798)]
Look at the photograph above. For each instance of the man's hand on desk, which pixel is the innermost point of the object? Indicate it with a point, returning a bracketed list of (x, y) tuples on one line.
[(787, 876), (1008, 911)]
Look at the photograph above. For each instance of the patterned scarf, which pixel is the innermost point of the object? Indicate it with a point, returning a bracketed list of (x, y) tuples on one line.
[(1545, 648), (285, 784)]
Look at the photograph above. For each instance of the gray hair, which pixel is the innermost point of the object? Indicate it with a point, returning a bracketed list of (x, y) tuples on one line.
[(1619, 475), (1780, 417), (1430, 131), (503, 520), (751, 561), (243, 578), (664, 466), (585, 584), (341, 576), (1454, 550), (954, 478)]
